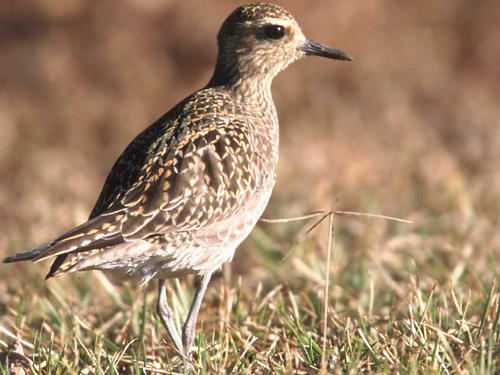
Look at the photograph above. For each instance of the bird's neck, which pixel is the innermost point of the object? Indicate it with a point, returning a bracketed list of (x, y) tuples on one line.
[(244, 84)]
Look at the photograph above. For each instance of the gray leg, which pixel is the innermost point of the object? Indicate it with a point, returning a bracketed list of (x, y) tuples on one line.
[(167, 316), (189, 327)]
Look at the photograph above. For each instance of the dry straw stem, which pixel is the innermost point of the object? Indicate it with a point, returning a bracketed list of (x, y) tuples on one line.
[(331, 232), (323, 215)]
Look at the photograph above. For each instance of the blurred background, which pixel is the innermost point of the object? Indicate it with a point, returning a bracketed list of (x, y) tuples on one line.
[(410, 129)]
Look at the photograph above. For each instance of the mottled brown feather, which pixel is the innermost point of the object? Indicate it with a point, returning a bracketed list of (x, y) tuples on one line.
[(190, 169)]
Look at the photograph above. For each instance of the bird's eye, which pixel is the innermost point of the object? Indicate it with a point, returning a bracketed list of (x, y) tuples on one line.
[(274, 32)]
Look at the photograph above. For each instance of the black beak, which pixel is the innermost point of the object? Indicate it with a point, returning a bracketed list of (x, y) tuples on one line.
[(312, 48)]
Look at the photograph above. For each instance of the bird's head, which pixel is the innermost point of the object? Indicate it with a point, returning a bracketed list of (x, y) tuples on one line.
[(257, 41)]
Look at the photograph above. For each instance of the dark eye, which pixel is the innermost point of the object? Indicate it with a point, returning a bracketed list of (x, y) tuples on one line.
[(274, 32)]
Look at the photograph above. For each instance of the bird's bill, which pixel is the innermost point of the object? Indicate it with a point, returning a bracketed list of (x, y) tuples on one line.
[(312, 48)]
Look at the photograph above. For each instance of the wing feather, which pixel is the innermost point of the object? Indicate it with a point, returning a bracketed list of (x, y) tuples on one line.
[(192, 168)]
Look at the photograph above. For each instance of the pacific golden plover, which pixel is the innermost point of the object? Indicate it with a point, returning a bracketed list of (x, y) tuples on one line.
[(190, 188)]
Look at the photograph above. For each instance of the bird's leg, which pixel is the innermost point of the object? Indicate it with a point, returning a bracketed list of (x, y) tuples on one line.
[(189, 327), (167, 316)]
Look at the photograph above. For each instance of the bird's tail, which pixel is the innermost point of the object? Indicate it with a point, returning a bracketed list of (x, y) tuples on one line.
[(100, 232), (28, 254)]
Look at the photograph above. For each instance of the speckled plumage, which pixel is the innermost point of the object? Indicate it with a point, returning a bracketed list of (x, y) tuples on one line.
[(190, 187), (188, 190)]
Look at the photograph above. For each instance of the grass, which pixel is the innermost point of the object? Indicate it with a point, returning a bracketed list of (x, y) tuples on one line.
[(392, 323)]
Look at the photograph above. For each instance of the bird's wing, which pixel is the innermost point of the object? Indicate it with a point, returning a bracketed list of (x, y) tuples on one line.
[(204, 181), (180, 178)]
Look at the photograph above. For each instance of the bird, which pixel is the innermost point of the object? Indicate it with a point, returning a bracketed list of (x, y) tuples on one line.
[(190, 187)]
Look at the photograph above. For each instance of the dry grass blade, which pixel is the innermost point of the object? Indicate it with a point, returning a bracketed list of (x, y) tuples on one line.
[(323, 215), (304, 236), (335, 212), (374, 216), (331, 233), (296, 218)]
